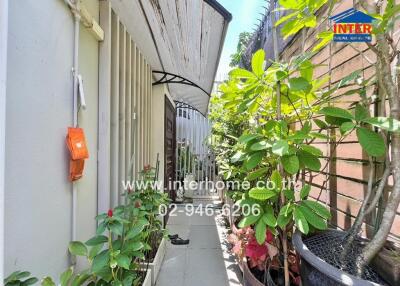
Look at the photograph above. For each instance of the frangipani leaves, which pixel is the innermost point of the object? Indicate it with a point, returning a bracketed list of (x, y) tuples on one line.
[(371, 142)]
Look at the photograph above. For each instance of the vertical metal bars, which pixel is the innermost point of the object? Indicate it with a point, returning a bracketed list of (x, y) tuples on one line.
[(193, 155), (124, 110)]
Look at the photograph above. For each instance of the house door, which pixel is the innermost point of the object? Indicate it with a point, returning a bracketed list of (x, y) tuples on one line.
[(169, 148)]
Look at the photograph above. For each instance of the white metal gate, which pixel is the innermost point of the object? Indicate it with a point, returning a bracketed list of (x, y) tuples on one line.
[(194, 159)]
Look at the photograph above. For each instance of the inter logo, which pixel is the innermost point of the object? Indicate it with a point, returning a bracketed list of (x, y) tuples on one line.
[(352, 26)]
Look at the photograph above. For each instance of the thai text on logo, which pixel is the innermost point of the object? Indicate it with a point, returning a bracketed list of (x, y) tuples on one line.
[(352, 26)]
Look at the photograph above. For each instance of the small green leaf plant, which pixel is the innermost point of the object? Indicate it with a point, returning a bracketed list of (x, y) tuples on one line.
[(20, 278), (307, 215)]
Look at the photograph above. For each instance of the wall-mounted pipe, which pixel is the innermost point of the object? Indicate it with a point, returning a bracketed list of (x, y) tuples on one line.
[(77, 7), (75, 73), (3, 81)]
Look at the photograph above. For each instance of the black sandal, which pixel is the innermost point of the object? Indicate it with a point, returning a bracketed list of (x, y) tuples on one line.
[(179, 241), (173, 236)]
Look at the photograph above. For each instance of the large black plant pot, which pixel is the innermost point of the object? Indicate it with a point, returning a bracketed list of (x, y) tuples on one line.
[(315, 271)]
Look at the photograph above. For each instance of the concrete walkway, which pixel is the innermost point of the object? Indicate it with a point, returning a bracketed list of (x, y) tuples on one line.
[(205, 261)]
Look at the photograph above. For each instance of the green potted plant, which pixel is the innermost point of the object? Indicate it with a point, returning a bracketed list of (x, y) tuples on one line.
[(114, 254), (128, 247), (270, 150), (150, 199), (281, 104)]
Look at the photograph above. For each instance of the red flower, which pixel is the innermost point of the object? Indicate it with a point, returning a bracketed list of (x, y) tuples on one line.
[(147, 168), (138, 204), (110, 213)]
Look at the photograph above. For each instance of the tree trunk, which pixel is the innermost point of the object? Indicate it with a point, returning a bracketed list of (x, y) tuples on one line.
[(383, 53)]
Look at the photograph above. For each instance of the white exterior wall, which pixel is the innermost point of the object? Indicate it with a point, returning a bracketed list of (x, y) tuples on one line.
[(3, 73), (39, 110), (158, 119)]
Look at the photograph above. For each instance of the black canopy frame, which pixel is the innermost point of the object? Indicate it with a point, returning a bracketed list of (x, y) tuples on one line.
[(168, 78)]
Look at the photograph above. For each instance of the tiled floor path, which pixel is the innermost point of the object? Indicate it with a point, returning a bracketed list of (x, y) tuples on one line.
[(205, 261)]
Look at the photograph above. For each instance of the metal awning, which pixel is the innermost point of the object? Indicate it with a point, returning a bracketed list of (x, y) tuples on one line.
[(179, 37)]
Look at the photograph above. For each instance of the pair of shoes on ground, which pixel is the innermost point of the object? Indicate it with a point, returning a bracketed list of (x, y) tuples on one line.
[(176, 240)]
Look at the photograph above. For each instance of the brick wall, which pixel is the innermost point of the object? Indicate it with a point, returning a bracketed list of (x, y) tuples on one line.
[(348, 171)]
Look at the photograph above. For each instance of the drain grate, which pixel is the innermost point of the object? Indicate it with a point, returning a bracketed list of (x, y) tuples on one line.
[(328, 246)]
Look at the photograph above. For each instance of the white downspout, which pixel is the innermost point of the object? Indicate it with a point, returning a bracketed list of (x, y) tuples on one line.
[(75, 72), (3, 81)]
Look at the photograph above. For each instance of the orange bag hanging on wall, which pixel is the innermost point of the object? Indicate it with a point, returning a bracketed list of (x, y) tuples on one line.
[(76, 169), (76, 143), (77, 147)]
